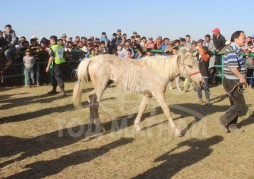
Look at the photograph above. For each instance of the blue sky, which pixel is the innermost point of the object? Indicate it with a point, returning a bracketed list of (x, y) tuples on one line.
[(171, 19)]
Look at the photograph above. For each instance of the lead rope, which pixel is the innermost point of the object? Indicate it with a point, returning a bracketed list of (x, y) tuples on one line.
[(240, 89)]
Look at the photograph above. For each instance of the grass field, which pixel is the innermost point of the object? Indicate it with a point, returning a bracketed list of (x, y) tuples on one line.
[(43, 136)]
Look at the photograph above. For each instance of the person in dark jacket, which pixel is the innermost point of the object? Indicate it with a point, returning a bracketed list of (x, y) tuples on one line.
[(219, 43), (203, 60), (3, 43), (218, 40), (11, 39)]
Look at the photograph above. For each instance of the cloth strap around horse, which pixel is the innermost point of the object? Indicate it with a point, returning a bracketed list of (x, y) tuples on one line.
[(195, 73)]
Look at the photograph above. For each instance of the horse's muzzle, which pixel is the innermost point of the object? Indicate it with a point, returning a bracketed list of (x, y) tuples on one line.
[(202, 82)]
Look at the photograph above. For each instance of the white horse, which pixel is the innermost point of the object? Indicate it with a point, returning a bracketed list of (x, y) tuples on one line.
[(148, 76)]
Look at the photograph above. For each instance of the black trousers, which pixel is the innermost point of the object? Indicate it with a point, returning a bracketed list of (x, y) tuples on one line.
[(218, 62), (57, 79), (237, 102)]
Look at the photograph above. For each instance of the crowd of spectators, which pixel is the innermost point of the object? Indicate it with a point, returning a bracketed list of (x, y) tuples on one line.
[(134, 47)]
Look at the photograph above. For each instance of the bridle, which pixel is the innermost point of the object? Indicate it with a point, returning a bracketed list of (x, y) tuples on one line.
[(195, 73), (189, 74)]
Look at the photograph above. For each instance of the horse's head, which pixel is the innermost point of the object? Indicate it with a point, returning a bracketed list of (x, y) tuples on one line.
[(188, 66)]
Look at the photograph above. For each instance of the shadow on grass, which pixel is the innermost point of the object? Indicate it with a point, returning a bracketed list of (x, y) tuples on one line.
[(42, 112), (44, 98), (219, 98), (248, 121), (43, 169), (172, 163), (29, 147), (6, 97), (35, 114), (197, 111)]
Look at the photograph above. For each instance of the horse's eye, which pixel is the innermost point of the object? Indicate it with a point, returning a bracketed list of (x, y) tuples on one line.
[(189, 66)]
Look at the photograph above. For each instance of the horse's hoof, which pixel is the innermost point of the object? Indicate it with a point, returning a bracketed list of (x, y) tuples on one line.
[(100, 129), (178, 133), (138, 128), (103, 129)]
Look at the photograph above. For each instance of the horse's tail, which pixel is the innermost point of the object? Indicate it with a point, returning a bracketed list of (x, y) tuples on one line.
[(82, 74)]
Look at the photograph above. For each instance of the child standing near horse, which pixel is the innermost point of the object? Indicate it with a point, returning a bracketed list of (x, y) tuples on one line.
[(203, 59), (29, 68)]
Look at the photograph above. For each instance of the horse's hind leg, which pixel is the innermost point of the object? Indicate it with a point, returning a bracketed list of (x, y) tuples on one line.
[(142, 108), (95, 98), (98, 125), (91, 104)]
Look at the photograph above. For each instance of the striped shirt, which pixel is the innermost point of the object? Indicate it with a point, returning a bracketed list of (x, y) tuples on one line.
[(233, 58)]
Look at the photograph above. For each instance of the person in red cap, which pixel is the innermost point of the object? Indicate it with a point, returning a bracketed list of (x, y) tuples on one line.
[(219, 43)]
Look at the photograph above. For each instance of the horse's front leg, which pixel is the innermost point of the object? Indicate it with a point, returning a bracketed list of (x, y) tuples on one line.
[(161, 100)]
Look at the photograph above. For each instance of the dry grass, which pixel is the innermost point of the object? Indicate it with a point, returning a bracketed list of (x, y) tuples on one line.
[(43, 136)]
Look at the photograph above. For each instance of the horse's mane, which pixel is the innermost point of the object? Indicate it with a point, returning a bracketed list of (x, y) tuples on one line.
[(163, 65), (166, 66)]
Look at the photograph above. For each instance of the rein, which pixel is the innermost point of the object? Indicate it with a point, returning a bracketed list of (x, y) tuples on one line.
[(192, 74), (184, 69), (239, 87), (195, 73)]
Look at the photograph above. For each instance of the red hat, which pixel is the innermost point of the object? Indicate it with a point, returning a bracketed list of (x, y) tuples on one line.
[(216, 30)]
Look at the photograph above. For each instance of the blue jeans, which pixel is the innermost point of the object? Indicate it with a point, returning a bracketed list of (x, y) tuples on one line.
[(206, 89), (250, 73), (29, 72), (218, 62), (38, 73), (9, 53)]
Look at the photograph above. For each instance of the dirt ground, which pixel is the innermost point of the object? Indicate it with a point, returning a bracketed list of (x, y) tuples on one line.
[(43, 136)]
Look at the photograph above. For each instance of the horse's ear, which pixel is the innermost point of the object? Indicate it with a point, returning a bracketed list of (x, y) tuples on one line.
[(185, 51), (179, 60)]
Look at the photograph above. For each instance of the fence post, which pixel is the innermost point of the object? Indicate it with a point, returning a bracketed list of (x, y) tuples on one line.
[(222, 68)]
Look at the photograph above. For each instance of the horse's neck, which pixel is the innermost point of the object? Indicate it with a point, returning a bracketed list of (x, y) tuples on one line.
[(174, 71)]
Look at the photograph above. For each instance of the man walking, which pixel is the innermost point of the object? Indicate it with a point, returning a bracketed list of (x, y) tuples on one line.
[(56, 58), (234, 72)]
